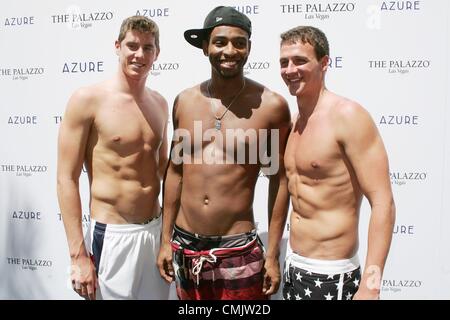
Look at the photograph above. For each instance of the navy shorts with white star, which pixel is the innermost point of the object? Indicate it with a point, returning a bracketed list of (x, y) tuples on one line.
[(300, 284)]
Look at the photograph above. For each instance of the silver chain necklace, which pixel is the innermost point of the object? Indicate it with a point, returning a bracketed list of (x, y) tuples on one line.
[(218, 121)]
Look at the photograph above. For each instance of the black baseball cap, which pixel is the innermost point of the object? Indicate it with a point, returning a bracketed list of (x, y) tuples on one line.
[(219, 16)]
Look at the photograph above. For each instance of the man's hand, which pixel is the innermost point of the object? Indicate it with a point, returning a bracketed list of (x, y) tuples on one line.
[(366, 294), (271, 276), (83, 277), (369, 288), (164, 263)]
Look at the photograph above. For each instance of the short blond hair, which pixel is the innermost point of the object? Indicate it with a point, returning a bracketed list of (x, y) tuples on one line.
[(140, 24), (308, 34)]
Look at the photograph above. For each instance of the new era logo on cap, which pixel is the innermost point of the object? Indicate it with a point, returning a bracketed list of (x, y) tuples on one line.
[(218, 16)]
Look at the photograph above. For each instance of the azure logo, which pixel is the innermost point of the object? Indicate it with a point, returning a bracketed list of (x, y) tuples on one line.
[(248, 9), (26, 215), (404, 229), (400, 5), (399, 120), (22, 120), (83, 67), (153, 13), (18, 21)]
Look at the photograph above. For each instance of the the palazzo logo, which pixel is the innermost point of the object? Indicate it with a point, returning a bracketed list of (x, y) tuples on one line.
[(160, 67), (399, 120), (57, 119), (153, 12), (397, 285), (401, 178), (399, 66), (252, 66), (318, 11), (18, 21), (29, 263), (74, 18), (22, 73), (23, 170), (82, 67), (85, 219)]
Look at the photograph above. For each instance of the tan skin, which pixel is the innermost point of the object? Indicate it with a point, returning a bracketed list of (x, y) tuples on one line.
[(216, 199), (118, 130), (333, 158)]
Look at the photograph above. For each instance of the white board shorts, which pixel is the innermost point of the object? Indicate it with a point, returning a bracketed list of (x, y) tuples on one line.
[(125, 259)]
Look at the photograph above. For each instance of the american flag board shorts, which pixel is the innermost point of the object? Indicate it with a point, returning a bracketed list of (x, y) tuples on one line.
[(312, 279)]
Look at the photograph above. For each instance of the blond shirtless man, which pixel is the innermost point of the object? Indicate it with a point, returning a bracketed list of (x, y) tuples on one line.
[(209, 241), (333, 158), (117, 128)]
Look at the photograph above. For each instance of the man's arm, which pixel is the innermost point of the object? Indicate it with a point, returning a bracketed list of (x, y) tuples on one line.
[(171, 204), (364, 147), (163, 156), (278, 201), (73, 135)]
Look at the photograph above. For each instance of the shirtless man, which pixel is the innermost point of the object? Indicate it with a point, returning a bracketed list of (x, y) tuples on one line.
[(208, 215), (334, 156), (117, 128)]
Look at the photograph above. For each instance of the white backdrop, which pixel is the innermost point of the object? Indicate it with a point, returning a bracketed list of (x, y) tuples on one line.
[(390, 56)]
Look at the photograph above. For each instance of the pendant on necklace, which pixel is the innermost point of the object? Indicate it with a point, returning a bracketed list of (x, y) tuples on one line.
[(218, 125)]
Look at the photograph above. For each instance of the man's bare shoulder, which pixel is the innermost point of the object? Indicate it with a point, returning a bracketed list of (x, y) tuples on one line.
[(276, 105), (158, 99), (351, 118), (275, 100), (89, 94), (188, 97), (347, 110), (270, 98), (83, 102), (190, 93)]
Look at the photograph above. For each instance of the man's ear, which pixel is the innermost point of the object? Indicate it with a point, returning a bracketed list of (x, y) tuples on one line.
[(249, 45), (205, 47), (325, 62), (117, 45)]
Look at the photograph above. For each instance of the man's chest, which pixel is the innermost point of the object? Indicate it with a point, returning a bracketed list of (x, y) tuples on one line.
[(128, 128)]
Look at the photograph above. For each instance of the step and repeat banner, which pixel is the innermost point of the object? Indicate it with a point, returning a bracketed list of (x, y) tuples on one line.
[(390, 56)]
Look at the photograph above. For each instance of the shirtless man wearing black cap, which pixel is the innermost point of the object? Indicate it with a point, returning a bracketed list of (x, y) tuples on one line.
[(222, 126)]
